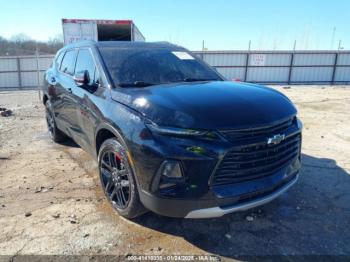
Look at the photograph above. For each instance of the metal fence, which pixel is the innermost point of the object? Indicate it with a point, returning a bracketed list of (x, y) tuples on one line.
[(23, 71), (282, 67), (268, 67)]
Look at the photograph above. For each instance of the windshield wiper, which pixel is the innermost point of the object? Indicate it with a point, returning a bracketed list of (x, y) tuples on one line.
[(135, 84), (198, 79)]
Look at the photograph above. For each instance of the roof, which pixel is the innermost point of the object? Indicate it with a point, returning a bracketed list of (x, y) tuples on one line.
[(97, 21), (123, 44)]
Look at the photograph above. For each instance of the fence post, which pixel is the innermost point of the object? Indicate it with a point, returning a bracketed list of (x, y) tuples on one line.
[(246, 67), (334, 68), (290, 67), (19, 73), (38, 72)]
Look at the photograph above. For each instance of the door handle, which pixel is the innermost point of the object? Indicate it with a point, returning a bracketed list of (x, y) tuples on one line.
[(69, 90)]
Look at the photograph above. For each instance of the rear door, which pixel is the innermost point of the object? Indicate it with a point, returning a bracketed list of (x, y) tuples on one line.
[(65, 107)]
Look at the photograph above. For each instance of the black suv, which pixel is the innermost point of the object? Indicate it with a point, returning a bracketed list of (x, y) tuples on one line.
[(169, 133)]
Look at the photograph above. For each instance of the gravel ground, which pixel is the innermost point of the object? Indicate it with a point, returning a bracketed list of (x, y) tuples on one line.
[(51, 201)]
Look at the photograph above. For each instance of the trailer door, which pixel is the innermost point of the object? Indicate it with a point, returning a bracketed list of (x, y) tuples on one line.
[(74, 31)]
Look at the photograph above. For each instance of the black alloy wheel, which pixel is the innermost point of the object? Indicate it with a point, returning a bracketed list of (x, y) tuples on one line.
[(118, 180), (115, 179)]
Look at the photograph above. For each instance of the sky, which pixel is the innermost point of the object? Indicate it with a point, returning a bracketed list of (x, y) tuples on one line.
[(222, 24)]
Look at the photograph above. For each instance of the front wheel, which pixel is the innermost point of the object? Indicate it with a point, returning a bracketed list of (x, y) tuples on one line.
[(117, 179)]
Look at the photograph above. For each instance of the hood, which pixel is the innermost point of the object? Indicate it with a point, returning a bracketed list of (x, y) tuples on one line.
[(207, 105)]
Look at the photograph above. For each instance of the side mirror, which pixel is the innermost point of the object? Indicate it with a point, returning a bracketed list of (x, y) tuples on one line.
[(82, 78)]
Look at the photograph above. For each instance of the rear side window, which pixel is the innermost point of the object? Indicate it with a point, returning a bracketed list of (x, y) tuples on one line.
[(85, 61), (59, 60), (68, 62)]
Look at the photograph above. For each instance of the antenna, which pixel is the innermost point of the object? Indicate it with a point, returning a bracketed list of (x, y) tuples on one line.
[(340, 45), (332, 39)]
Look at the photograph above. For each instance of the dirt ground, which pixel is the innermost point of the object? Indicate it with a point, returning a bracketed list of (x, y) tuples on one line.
[(51, 201)]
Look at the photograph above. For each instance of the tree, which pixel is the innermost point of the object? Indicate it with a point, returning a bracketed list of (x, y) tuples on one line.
[(20, 38), (22, 44)]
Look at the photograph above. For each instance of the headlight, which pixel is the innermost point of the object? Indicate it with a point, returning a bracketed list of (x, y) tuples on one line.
[(299, 123), (175, 131)]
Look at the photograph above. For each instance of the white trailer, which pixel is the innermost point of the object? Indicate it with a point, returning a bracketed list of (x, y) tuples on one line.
[(100, 30)]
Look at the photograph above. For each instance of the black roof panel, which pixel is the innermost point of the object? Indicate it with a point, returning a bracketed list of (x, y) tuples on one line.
[(124, 44), (130, 44)]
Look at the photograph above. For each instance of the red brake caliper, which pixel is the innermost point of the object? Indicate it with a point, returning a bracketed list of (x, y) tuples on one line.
[(118, 157)]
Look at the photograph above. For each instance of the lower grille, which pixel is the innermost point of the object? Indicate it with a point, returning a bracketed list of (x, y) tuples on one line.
[(256, 161)]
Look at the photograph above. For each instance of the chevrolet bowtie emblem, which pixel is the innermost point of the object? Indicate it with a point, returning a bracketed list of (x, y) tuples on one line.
[(276, 139)]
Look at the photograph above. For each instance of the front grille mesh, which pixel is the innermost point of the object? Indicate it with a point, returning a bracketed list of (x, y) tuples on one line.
[(253, 161)]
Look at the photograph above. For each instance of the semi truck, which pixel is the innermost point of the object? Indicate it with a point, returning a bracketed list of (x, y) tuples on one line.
[(100, 30)]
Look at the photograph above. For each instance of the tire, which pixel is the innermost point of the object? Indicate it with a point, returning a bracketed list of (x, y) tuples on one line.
[(55, 134), (118, 179)]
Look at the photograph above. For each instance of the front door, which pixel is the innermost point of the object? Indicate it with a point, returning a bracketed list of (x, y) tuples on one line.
[(86, 112)]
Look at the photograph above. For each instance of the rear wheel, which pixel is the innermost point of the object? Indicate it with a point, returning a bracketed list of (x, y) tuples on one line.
[(117, 179), (55, 134)]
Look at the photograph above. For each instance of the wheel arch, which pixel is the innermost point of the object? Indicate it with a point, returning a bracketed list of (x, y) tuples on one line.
[(45, 98), (106, 131), (103, 133)]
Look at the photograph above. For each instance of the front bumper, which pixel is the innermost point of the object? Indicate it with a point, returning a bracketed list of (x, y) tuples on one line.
[(219, 206), (197, 196), (220, 211)]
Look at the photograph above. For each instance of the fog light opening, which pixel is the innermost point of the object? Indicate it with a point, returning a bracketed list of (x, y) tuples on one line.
[(172, 169), (171, 174)]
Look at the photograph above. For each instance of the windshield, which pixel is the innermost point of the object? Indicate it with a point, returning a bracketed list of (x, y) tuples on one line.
[(143, 66)]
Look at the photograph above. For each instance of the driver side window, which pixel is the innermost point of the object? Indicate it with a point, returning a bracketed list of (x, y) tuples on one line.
[(85, 61)]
